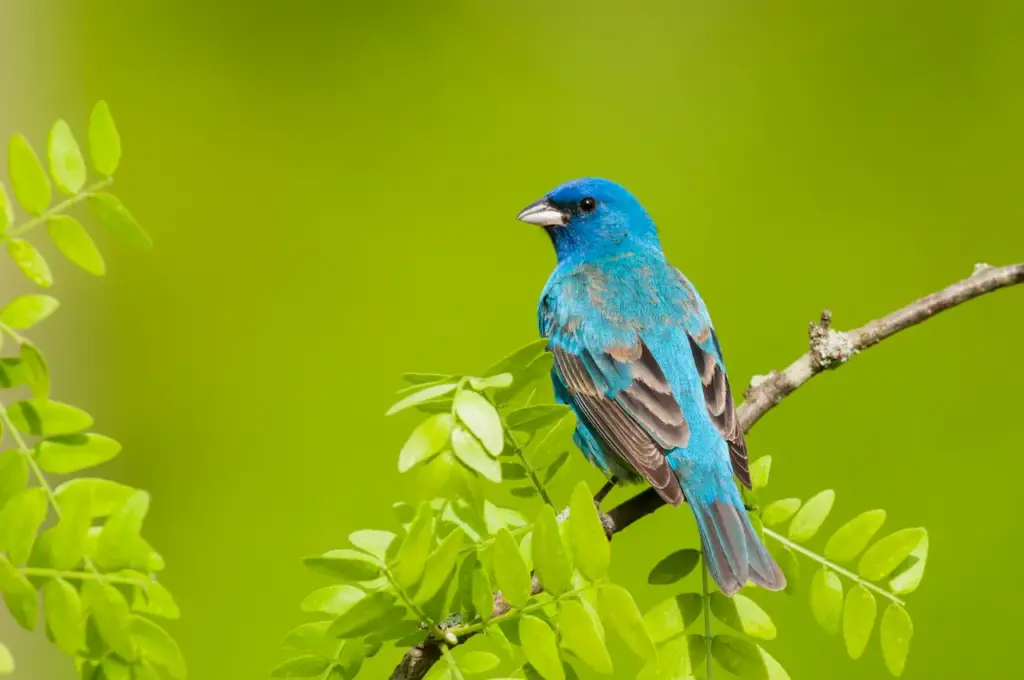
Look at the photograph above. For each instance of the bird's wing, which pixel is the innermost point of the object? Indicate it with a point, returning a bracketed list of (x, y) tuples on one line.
[(622, 395), (707, 354)]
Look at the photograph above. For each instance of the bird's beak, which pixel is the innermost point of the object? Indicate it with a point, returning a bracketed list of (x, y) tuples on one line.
[(544, 213)]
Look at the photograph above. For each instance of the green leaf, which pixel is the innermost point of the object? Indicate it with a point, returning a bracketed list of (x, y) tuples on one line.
[(66, 163), (535, 418), (520, 359), (550, 558), (883, 557), (670, 618), (28, 179), (790, 567), (513, 472), (6, 660), (811, 516), (586, 536), (44, 418), (119, 544), (540, 647), (744, 615), (37, 374), (482, 594), (28, 310), (74, 452), (158, 647), (510, 570), (115, 669), (312, 638), (850, 539), (896, 630), (675, 567), (6, 210), (472, 454), (827, 599), (350, 660), (20, 519), (373, 542), (102, 497), (347, 565), (672, 663), (412, 554), (778, 512), (13, 475), (333, 600), (108, 209), (858, 619), (425, 378), (110, 613), (156, 600), (12, 372), (620, 613), (481, 418), (745, 659), (30, 261), (440, 565), (478, 662), (759, 471), (581, 637), (19, 595), (555, 467), (301, 667), (363, 616), (421, 396), (495, 381), (65, 615), (74, 242), (104, 141), (426, 441), (908, 578)]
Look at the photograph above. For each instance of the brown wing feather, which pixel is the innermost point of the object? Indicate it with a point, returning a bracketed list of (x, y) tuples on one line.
[(721, 408), (640, 424)]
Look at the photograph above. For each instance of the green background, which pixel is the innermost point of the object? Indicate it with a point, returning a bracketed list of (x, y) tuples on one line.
[(332, 189)]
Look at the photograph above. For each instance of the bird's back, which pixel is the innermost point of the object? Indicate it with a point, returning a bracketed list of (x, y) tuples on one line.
[(616, 301)]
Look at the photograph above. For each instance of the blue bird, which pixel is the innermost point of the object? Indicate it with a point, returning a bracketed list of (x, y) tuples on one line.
[(638, 361)]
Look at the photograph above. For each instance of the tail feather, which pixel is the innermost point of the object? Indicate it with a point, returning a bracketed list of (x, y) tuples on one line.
[(734, 552)]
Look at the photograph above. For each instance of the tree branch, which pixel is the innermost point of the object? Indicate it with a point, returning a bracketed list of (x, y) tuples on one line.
[(828, 349)]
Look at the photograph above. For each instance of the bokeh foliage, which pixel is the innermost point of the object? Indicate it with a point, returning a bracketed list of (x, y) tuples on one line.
[(75, 546)]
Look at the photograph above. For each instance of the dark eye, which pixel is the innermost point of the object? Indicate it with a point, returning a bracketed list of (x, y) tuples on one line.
[(588, 204)]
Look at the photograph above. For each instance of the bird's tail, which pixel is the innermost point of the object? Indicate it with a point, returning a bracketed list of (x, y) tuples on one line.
[(733, 551)]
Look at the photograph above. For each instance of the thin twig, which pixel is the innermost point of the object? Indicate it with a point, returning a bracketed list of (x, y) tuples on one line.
[(828, 349)]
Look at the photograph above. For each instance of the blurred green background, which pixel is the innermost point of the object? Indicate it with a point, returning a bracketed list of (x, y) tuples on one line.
[(332, 188)]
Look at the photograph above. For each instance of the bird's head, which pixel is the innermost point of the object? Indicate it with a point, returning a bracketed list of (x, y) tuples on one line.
[(588, 218)]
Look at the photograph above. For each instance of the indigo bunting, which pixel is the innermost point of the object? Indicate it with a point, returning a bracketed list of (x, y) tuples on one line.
[(638, 361)]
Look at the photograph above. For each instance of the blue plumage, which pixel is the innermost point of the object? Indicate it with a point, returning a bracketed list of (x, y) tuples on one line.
[(637, 359)]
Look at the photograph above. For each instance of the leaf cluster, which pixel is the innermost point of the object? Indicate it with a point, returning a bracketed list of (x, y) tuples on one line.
[(76, 548)]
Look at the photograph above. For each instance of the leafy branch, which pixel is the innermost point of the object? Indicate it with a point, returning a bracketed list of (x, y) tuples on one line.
[(80, 543), (902, 553)]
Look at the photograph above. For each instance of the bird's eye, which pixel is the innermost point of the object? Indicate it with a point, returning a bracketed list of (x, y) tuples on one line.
[(588, 204)]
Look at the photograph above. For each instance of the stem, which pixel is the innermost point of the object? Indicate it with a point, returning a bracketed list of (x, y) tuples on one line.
[(420, 614), (530, 472), (80, 576), (456, 671), (56, 210), (707, 610), (834, 567), (22, 447), (468, 629)]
